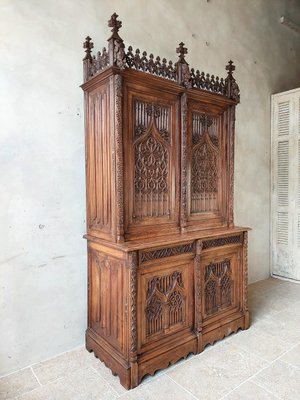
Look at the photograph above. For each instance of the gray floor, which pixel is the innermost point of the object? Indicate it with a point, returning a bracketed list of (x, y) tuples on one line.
[(261, 363)]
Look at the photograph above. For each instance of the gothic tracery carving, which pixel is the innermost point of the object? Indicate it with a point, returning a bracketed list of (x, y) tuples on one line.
[(218, 286), (151, 178), (146, 112), (165, 302), (205, 163)]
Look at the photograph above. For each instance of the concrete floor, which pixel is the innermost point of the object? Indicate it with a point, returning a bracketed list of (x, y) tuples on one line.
[(261, 363)]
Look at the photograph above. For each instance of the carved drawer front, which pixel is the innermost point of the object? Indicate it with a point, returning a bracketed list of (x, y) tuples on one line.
[(166, 301), (106, 305), (220, 283)]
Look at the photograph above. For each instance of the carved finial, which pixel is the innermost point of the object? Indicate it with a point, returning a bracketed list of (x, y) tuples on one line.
[(115, 44), (231, 87), (181, 50), (230, 67), (88, 45), (182, 67), (115, 25)]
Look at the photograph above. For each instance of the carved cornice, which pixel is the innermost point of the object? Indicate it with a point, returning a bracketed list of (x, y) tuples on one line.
[(178, 72)]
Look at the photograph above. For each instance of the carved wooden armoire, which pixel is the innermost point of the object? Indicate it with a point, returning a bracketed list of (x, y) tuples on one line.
[(167, 268)]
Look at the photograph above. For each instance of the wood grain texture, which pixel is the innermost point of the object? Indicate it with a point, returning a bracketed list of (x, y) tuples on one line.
[(167, 268)]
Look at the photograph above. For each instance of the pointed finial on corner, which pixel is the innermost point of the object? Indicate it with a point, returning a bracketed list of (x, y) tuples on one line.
[(88, 45), (181, 50), (115, 25), (232, 88), (230, 67)]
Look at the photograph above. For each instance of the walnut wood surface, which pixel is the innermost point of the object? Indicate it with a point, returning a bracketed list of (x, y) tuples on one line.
[(167, 268)]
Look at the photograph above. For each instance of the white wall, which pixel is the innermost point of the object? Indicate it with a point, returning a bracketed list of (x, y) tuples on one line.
[(43, 255)]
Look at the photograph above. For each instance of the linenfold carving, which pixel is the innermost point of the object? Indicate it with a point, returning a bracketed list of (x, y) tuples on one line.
[(165, 303)]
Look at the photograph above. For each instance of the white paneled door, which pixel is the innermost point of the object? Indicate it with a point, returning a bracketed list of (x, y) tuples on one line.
[(285, 208)]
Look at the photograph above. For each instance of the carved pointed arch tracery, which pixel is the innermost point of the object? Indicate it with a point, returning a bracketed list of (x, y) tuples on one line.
[(151, 141), (205, 163)]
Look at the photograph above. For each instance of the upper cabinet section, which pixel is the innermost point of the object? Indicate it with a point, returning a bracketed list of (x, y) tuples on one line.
[(159, 143)]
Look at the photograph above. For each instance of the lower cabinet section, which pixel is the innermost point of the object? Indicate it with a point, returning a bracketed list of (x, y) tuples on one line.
[(152, 306)]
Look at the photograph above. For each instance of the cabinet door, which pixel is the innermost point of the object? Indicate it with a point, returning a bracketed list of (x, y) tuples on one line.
[(220, 282), (166, 300), (151, 165), (207, 166)]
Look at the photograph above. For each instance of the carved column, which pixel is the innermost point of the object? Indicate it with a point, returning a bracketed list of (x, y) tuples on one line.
[(119, 158), (198, 294), (183, 203), (132, 264), (231, 127), (245, 280)]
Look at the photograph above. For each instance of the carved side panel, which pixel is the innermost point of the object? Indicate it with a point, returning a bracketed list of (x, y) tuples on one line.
[(152, 139), (205, 163), (99, 168), (106, 307), (218, 286)]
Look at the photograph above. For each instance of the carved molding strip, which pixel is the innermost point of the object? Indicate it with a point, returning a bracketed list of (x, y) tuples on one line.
[(245, 249), (207, 244), (184, 183), (231, 166), (197, 282), (167, 252), (119, 156), (133, 303)]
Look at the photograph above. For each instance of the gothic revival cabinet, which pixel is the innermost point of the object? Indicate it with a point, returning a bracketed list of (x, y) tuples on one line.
[(167, 267)]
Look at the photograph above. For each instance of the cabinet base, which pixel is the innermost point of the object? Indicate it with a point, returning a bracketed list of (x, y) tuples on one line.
[(131, 375)]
